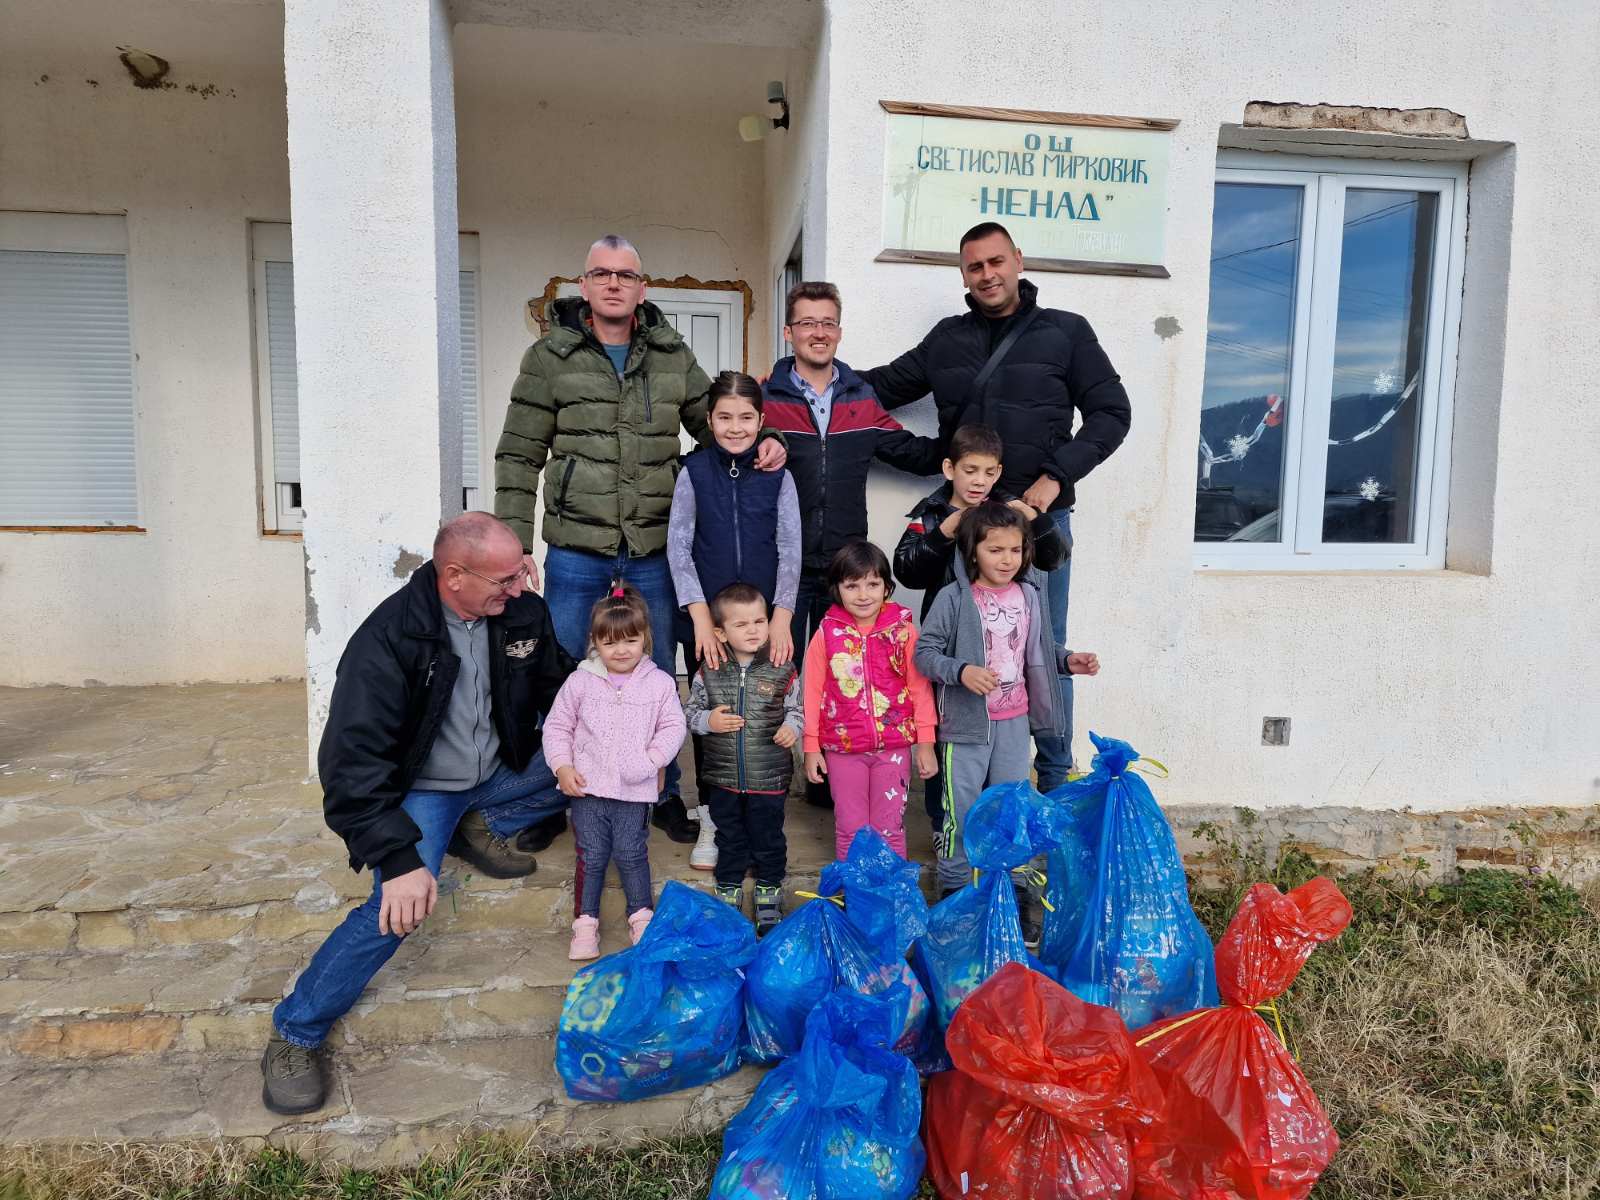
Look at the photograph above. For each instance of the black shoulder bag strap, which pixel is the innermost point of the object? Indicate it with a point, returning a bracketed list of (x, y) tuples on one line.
[(997, 356)]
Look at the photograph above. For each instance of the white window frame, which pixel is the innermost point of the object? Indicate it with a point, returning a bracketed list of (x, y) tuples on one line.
[(1316, 316), (272, 241), (85, 233)]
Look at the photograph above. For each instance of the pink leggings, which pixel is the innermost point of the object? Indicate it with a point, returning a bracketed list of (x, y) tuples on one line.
[(869, 789)]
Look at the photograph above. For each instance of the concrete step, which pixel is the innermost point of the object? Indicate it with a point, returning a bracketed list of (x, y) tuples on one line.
[(482, 966), (385, 1105)]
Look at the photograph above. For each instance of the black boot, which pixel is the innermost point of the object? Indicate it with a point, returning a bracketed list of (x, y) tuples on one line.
[(1027, 915), (538, 837), (672, 819)]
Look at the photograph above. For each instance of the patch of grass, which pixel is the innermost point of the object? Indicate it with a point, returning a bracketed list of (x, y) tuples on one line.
[(1452, 1032)]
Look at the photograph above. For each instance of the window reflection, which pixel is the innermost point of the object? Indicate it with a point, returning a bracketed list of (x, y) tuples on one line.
[(1386, 265), (1255, 250)]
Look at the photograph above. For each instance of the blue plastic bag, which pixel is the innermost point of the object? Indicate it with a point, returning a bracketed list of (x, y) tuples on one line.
[(975, 932), (814, 951), (882, 893), (664, 1014), (838, 1121), (1123, 933)]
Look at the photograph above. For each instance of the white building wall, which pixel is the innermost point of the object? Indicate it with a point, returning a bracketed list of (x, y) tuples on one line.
[(201, 595), (552, 153), (1436, 690)]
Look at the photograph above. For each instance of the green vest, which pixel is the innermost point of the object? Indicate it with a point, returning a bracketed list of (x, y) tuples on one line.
[(749, 760)]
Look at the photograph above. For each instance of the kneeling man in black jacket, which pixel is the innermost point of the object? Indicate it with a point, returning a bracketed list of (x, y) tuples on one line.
[(432, 743)]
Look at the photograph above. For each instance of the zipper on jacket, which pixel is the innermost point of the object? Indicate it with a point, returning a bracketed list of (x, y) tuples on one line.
[(739, 745), (566, 482), (645, 378), (738, 543), (866, 675)]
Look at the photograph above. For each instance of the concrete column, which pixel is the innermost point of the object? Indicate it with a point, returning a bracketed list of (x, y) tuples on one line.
[(372, 172)]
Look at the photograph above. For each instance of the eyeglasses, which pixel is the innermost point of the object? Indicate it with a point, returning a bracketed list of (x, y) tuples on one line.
[(806, 325), (509, 584), (625, 278)]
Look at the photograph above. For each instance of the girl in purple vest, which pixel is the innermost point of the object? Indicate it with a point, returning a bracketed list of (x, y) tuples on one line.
[(731, 524), (868, 709)]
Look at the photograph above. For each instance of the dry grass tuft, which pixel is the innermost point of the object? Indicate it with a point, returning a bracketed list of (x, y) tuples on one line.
[(1453, 1033)]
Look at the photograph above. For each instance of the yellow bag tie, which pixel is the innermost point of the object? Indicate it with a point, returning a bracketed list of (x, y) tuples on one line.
[(839, 900), (1166, 1029), (1035, 876), (1160, 771), (1270, 1006)]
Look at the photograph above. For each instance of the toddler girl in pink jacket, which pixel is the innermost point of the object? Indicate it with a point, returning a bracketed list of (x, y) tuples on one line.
[(615, 723)]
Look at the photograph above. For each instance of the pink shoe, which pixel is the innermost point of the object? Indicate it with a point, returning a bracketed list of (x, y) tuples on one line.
[(637, 923), (585, 939)]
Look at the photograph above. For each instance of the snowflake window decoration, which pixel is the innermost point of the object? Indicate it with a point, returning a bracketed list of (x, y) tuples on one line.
[(1370, 488), (1238, 445), (1385, 382)]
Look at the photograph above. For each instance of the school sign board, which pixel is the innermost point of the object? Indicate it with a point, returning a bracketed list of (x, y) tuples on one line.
[(1078, 192)]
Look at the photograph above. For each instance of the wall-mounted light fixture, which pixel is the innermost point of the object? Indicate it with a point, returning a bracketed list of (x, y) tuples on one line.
[(148, 70), (754, 127)]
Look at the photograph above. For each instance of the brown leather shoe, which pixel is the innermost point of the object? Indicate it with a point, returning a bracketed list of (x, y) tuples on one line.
[(496, 857), (293, 1078)]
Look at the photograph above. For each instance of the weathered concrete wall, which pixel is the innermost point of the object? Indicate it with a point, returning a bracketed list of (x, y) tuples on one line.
[(561, 137), (201, 594), (1442, 691)]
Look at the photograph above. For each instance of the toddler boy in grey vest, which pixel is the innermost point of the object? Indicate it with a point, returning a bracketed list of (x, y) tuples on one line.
[(750, 714)]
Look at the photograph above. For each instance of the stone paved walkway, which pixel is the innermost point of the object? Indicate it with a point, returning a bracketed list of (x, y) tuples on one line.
[(165, 873)]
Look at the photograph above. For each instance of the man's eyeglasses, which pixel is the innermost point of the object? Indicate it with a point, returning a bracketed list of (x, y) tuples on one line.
[(806, 325), (508, 584), (625, 278)]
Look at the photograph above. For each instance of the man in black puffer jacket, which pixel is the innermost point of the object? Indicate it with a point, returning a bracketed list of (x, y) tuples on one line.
[(432, 741), (1052, 366)]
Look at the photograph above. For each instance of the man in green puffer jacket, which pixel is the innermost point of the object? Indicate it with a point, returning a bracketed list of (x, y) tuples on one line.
[(596, 410)]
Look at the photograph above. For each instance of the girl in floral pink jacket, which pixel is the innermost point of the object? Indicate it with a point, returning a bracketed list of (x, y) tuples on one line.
[(614, 725), (869, 711)]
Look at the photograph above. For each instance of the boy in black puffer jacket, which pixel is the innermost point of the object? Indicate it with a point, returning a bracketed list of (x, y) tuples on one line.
[(750, 715), (927, 548)]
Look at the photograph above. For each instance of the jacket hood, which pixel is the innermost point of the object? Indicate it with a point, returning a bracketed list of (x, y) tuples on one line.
[(570, 326), (1027, 297), (595, 667), (890, 615), (778, 380)]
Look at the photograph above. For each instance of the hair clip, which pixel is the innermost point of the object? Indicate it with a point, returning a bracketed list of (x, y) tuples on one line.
[(616, 592)]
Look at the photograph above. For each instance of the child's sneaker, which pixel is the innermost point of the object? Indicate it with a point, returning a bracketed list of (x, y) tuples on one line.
[(731, 894), (704, 855), (637, 922), (585, 939), (768, 909)]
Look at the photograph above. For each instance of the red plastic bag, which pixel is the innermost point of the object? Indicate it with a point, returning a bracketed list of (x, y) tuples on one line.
[(1046, 1099), (1242, 1122)]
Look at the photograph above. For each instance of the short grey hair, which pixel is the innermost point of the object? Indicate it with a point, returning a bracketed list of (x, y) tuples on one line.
[(467, 537), (615, 241)]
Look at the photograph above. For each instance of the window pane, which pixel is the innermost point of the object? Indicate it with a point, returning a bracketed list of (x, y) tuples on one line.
[(1380, 344), (1255, 252), (66, 390)]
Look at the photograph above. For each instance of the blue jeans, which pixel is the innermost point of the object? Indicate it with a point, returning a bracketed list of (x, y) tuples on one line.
[(1054, 758), (575, 579), (352, 954)]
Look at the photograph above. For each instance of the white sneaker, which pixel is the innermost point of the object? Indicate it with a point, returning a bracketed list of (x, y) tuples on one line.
[(704, 855)]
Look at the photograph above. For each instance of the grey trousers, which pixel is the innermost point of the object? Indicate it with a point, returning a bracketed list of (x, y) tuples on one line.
[(967, 769)]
